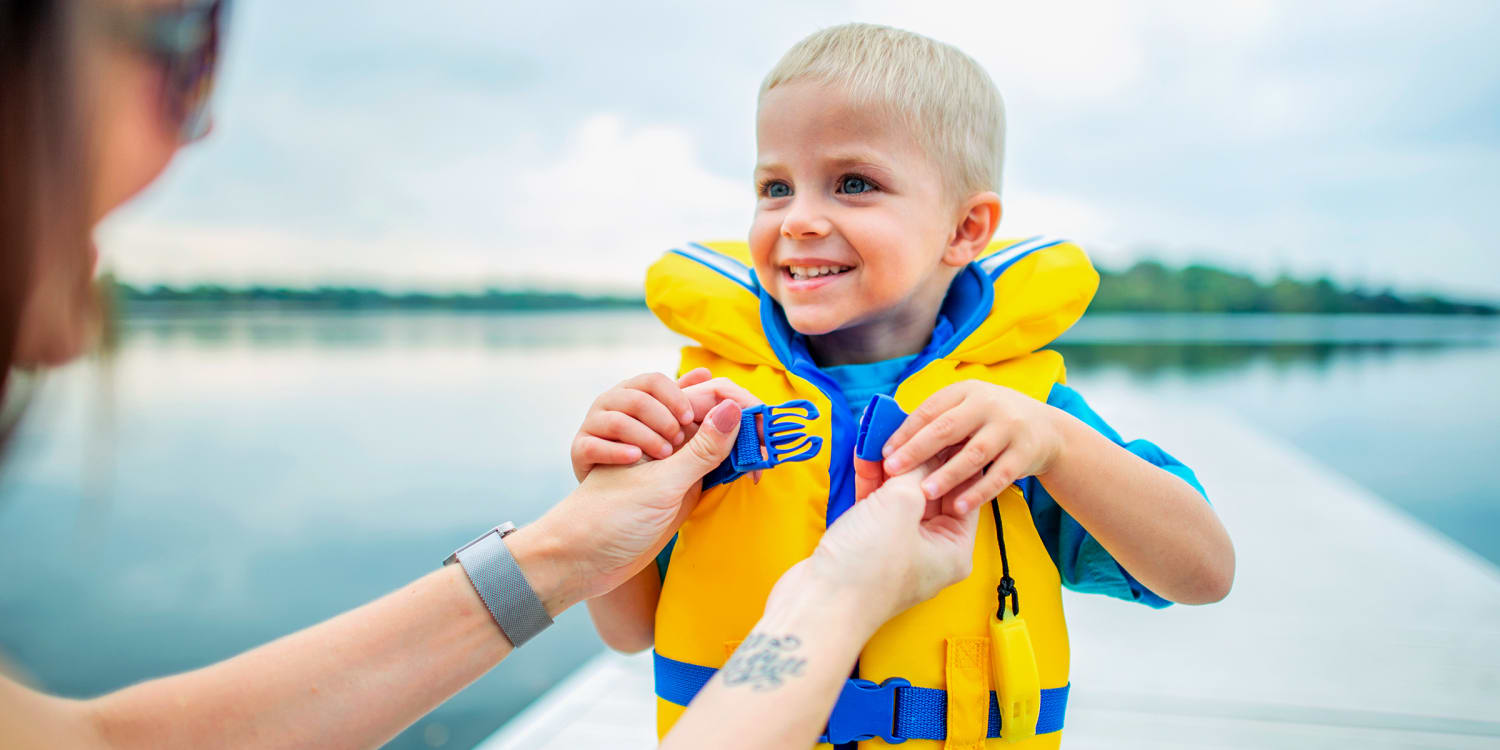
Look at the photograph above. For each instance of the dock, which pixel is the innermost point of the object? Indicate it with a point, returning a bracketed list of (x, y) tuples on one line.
[(1351, 624)]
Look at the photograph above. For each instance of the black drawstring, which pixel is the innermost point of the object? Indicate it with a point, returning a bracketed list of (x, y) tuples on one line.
[(1007, 587)]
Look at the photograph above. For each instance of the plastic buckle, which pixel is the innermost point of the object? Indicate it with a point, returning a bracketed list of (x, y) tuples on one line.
[(785, 441), (877, 423), (783, 426), (865, 711)]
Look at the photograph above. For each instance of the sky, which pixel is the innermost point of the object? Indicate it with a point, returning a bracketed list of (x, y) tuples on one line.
[(467, 144)]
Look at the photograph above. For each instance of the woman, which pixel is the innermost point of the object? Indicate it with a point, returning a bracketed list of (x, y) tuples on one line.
[(95, 98)]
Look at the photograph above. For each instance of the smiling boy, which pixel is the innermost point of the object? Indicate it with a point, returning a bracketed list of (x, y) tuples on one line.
[(870, 269)]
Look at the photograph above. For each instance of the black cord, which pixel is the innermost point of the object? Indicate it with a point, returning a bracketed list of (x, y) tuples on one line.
[(1007, 587)]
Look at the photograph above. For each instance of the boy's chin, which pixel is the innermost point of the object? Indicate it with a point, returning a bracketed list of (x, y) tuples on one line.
[(811, 323)]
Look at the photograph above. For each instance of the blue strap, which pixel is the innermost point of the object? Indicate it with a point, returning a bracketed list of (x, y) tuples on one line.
[(922, 713), (880, 419), (776, 437), (893, 710), (678, 681)]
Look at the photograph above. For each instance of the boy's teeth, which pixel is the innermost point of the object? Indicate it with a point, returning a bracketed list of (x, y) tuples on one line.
[(801, 273)]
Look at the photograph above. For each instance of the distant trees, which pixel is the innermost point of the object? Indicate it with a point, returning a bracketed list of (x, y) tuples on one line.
[(1147, 286), (336, 298)]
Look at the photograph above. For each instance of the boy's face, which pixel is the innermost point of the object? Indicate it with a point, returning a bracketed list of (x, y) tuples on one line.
[(851, 222)]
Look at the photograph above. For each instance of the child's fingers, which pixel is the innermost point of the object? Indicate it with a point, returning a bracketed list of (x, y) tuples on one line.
[(704, 396), (935, 405), (622, 428), (999, 476), (646, 409), (694, 376), (868, 476), (588, 451), (591, 449), (934, 508), (969, 461), (665, 390), (953, 503), (947, 428)]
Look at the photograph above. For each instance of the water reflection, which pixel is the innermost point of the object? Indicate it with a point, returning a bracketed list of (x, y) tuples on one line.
[(1150, 360), (549, 331), (271, 470)]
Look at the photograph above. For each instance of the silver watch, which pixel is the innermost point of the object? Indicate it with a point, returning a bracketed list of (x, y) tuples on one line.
[(501, 585)]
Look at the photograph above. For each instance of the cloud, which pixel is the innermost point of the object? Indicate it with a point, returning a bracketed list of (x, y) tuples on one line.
[(617, 198), (594, 216), (473, 141)]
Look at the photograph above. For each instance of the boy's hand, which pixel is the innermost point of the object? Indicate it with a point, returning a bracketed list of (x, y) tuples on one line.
[(994, 436), (648, 415)]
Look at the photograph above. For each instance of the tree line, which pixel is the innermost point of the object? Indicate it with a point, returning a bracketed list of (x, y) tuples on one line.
[(1148, 286)]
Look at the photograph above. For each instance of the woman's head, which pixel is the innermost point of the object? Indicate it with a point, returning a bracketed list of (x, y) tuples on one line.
[(95, 99), (45, 195), (151, 69)]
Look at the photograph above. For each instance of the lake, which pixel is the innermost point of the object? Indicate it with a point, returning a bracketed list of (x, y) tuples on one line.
[(220, 480)]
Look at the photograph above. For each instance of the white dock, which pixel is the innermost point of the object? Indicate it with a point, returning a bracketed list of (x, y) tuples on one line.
[(1350, 625)]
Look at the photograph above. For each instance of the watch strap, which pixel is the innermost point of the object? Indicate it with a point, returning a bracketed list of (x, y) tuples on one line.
[(503, 587)]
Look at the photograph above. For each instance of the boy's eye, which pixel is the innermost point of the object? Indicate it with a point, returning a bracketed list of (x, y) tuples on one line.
[(777, 189), (854, 185)]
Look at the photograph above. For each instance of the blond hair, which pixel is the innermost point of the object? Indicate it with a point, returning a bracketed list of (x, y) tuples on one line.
[(948, 101)]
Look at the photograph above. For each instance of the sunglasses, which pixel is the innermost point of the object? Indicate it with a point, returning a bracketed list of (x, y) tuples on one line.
[(184, 41)]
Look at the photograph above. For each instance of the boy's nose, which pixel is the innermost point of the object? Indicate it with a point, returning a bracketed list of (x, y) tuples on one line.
[(801, 223)]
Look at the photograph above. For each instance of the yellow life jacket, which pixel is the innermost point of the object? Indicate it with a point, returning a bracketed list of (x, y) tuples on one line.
[(1017, 297)]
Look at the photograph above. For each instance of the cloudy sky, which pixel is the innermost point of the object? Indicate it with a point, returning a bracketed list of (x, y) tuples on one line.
[(464, 144)]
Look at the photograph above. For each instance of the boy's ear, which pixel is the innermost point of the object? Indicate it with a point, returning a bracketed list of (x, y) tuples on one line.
[(978, 218)]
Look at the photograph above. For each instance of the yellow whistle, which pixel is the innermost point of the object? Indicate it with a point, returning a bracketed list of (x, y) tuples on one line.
[(1018, 688)]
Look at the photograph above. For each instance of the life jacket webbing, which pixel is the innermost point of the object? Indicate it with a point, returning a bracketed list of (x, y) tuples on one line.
[(893, 710)]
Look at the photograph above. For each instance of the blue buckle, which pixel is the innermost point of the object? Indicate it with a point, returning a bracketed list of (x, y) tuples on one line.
[(785, 440), (877, 423), (865, 711)]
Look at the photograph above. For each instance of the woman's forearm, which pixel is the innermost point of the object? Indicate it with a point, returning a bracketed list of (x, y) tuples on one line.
[(351, 682), (358, 679), (1153, 523), (780, 685)]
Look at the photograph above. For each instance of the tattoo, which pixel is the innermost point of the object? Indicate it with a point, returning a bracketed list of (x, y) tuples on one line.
[(763, 662)]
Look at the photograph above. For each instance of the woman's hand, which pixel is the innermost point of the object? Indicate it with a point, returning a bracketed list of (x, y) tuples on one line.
[(890, 550), (875, 561), (648, 415), (620, 516)]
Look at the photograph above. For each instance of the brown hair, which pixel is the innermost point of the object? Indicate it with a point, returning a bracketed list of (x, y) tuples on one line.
[(44, 205)]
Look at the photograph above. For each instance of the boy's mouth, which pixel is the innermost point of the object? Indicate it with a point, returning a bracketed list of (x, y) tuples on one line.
[(807, 273)]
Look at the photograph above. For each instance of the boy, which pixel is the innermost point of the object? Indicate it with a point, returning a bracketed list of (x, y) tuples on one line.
[(874, 273)]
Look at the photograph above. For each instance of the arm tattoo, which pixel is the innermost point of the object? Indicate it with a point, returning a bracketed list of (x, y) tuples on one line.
[(764, 662)]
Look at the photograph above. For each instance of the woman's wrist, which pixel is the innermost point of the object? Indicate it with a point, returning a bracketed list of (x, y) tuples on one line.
[(550, 565), (807, 595)]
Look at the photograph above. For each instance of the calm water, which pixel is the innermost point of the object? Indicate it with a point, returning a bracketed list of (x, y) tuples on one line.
[(222, 481)]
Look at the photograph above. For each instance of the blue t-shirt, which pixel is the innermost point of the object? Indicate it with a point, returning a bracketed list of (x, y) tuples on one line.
[(1081, 560)]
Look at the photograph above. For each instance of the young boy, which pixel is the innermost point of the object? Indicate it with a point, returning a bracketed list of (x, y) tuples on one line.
[(870, 269)]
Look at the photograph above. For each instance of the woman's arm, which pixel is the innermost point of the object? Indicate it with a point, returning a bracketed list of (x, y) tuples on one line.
[(780, 685), (353, 681), (358, 679), (626, 617)]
